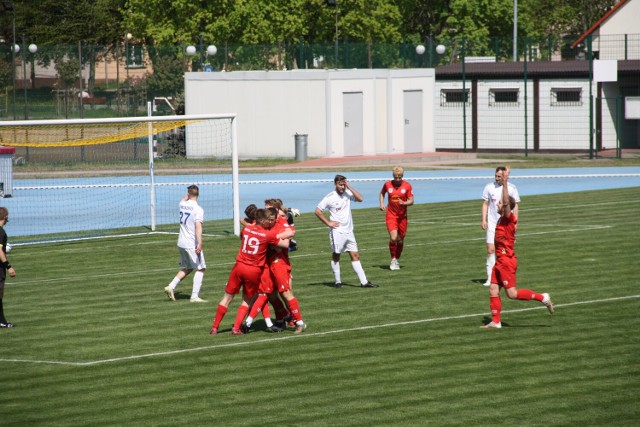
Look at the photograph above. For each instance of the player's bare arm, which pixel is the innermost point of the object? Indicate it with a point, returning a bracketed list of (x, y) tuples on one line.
[(325, 221), (485, 210), (356, 195), (506, 205), (198, 237)]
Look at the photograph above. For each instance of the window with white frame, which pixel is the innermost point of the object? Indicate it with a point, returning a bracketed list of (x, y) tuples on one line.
[(503, 97), (454, 97), (566, 96)]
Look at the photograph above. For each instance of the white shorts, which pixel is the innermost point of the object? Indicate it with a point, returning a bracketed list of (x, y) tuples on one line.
[(341, 242), (190, 260), (491, 233)]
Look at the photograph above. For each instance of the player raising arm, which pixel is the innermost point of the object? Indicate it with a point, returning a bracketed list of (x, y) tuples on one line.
[(504, 271)]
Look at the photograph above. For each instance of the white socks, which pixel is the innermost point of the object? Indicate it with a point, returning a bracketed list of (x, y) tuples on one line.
[(357, 267), (335, 266), (197, 283), (174, 282)]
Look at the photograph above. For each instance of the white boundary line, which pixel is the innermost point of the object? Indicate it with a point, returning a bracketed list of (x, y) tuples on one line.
[(306, 335)]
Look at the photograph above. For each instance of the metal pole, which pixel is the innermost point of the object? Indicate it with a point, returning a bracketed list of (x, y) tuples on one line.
[(152, 193), (515, 30), (24, 77), (336, 52), (13, 64), (81, 87), (526, 128), (464, 99), (590, 53)]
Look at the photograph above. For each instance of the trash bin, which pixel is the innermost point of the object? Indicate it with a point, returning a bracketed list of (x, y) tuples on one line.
[(6, 170), (301, 147)]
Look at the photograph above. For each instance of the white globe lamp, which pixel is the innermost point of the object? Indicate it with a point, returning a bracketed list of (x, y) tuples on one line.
[(33, 48), (191, 50), (440, 49), (420, 49), (212, 50)]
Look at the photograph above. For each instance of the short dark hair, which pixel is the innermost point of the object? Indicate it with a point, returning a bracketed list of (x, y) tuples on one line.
[(4, 213), (250, 212), (193, 190), (339, 178)]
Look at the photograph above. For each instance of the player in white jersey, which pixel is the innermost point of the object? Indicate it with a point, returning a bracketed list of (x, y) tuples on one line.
[(491, 194), (340, 224), (190, 245)]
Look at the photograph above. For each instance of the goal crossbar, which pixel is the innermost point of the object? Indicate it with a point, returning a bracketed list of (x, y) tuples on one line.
[(51, 136)]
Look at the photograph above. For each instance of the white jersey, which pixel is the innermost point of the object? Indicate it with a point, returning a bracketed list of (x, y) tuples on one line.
[(190, 213), (339, 206), (492, 193)]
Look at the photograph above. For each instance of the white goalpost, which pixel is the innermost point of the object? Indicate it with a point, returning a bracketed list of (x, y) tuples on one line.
[(93, 177)]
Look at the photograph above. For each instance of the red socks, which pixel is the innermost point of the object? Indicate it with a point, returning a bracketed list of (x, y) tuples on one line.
[(220, 312), (526, 294), (257, 306), (242, 313), (294, 307), (393, 249), (495, 304)]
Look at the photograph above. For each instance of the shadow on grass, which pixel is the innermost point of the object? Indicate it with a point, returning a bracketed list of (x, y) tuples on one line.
[(486, 320)]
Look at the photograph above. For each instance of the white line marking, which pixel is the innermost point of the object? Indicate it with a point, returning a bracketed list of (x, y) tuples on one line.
[(307, 335)]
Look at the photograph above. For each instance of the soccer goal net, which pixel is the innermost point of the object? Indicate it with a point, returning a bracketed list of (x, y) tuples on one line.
[(84, 178)]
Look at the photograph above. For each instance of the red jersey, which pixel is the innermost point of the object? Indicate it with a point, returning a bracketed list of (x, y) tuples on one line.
[(506, 236), (255, 242), (395, 194), (279, 253)]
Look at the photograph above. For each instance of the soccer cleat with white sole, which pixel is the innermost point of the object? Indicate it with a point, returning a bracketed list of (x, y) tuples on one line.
[(492, 325), (395, 265), (170, 293), (487, 283), (198, 299), (548, 303), (300, 328)]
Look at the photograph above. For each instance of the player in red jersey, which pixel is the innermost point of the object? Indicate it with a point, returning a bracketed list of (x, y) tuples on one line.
[(279, 279), (250, 262), (504, 271), (400, 195)]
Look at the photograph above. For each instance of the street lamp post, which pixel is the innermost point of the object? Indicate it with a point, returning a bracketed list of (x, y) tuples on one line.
[(211, 50), (8, 7), (127, 38), (33, 48)]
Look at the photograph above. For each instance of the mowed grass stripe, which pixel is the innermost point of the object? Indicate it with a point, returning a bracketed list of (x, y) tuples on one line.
[(92, 301)]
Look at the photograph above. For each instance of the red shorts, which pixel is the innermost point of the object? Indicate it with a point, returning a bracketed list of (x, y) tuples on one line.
[(504, 271), (281, 275), (397, 223), (245, 276), (266, 284)]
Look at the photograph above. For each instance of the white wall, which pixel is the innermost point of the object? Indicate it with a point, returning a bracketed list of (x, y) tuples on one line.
[(502, 126), (564, 126), (561, 127), (623, 21), (448, 123), (273, 106)]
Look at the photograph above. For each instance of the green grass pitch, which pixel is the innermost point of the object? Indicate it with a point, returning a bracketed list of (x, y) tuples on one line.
[(98, 343)]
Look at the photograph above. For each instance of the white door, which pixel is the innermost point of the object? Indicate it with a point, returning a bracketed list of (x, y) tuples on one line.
[(352, 122), (412, 121)]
